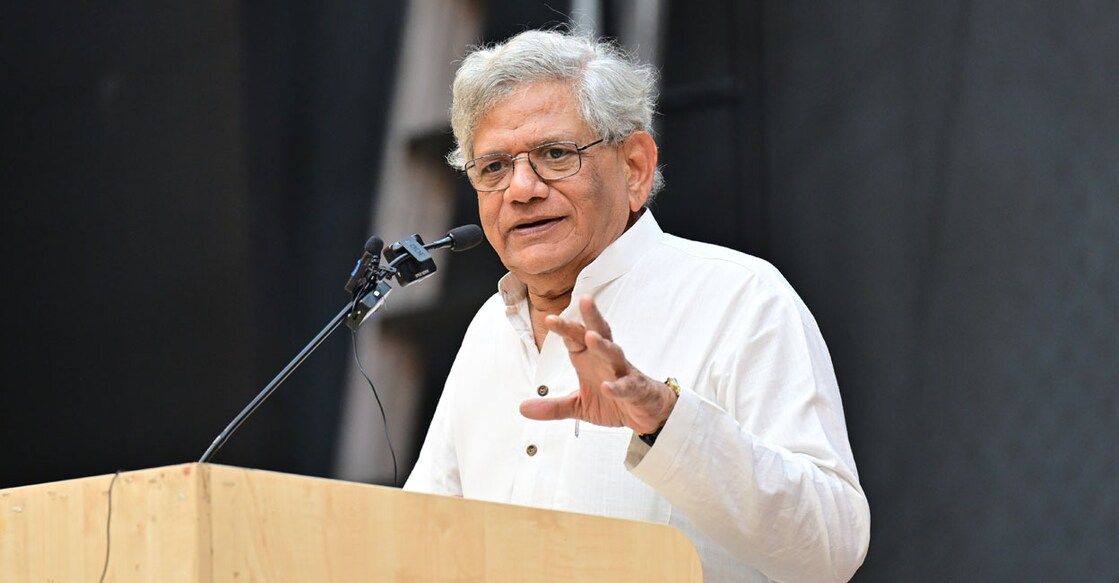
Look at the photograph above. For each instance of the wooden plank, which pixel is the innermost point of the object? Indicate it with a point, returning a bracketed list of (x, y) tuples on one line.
[(57, 531), (277, 527), (210, 523)]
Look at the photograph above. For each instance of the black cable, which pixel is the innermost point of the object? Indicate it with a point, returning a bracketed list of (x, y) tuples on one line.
[(108, 529), (384, 420)]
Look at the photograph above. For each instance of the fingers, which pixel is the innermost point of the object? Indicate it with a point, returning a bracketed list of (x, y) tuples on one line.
[(571, 332), (549, 409), (611, 391), (579, 338), (593, 318), (610, 354)]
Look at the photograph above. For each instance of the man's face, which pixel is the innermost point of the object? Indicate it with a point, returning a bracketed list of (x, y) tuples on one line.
[(551, 230)]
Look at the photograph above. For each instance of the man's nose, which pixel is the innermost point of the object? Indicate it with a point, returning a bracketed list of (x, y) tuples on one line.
[(525, 184)]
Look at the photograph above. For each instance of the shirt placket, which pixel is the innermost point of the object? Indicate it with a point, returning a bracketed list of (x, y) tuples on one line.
[(543, 442)]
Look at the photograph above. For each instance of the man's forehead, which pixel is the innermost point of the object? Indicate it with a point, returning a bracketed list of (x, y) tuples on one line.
[(532, 115)]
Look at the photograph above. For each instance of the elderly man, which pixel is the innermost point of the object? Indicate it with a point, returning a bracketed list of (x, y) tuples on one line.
[(701, 392)]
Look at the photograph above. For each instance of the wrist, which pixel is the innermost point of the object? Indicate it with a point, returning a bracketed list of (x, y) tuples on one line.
[(670, 404)]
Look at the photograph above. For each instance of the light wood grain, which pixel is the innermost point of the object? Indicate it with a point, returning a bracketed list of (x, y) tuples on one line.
[(209, 523), (57, 531)]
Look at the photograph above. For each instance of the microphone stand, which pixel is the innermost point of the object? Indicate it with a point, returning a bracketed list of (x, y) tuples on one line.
[(355, 311), (409, 261)]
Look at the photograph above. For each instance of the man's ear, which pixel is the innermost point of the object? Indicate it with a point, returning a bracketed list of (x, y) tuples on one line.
[(640, 152)]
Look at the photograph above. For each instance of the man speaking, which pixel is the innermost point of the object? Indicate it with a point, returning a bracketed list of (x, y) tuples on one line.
[(619, 370)]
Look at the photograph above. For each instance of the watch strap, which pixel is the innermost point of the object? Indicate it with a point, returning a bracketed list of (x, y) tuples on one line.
[(651, 438)]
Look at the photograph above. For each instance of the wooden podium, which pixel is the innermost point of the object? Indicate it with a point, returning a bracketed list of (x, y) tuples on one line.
[(211, 523)]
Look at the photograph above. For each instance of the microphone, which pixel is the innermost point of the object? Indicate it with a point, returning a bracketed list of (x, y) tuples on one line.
[(459, 239), (374, 245), (409, 257), (365, 266)]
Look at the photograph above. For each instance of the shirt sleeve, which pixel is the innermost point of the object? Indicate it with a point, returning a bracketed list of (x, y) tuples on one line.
[(756, 454)]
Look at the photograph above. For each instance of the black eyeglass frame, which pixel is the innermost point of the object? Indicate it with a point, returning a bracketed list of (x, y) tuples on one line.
[(528, 157)]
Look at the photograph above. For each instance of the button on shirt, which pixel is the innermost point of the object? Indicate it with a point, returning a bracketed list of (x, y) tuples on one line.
[(753, 464)]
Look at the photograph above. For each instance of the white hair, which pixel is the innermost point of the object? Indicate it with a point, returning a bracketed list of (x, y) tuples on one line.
[(616, 94)]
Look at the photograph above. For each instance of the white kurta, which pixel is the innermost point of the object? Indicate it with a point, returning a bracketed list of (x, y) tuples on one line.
[(753, 464)]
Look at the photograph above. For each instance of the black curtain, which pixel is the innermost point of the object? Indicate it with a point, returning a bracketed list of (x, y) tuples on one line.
[(319, 102), (186, 188), (938, 181)]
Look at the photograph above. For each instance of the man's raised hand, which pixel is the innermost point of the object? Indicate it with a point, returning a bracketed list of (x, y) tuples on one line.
[(612, 392)]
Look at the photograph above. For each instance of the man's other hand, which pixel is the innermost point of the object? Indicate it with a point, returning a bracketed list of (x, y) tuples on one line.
[(612, 392)]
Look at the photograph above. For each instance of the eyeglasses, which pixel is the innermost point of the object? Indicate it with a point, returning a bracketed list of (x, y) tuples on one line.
[(554, 161)]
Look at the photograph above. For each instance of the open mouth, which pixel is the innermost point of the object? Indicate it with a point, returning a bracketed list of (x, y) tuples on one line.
[(538, 224)]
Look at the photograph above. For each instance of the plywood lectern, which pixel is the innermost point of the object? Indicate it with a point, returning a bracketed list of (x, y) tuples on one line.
[(212, 523)]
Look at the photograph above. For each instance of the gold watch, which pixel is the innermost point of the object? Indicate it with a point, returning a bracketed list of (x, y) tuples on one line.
[(651, 438)]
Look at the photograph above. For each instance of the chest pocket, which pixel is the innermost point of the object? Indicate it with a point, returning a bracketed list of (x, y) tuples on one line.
[(594, 480)]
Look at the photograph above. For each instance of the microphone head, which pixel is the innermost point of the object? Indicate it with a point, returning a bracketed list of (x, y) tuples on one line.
[(465, 237), (374, 245)]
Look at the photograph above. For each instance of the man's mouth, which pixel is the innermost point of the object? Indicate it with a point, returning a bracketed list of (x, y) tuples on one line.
[(536, 224)]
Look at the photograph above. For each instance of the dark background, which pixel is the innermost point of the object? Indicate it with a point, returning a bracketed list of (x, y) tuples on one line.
[(187, 185)]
